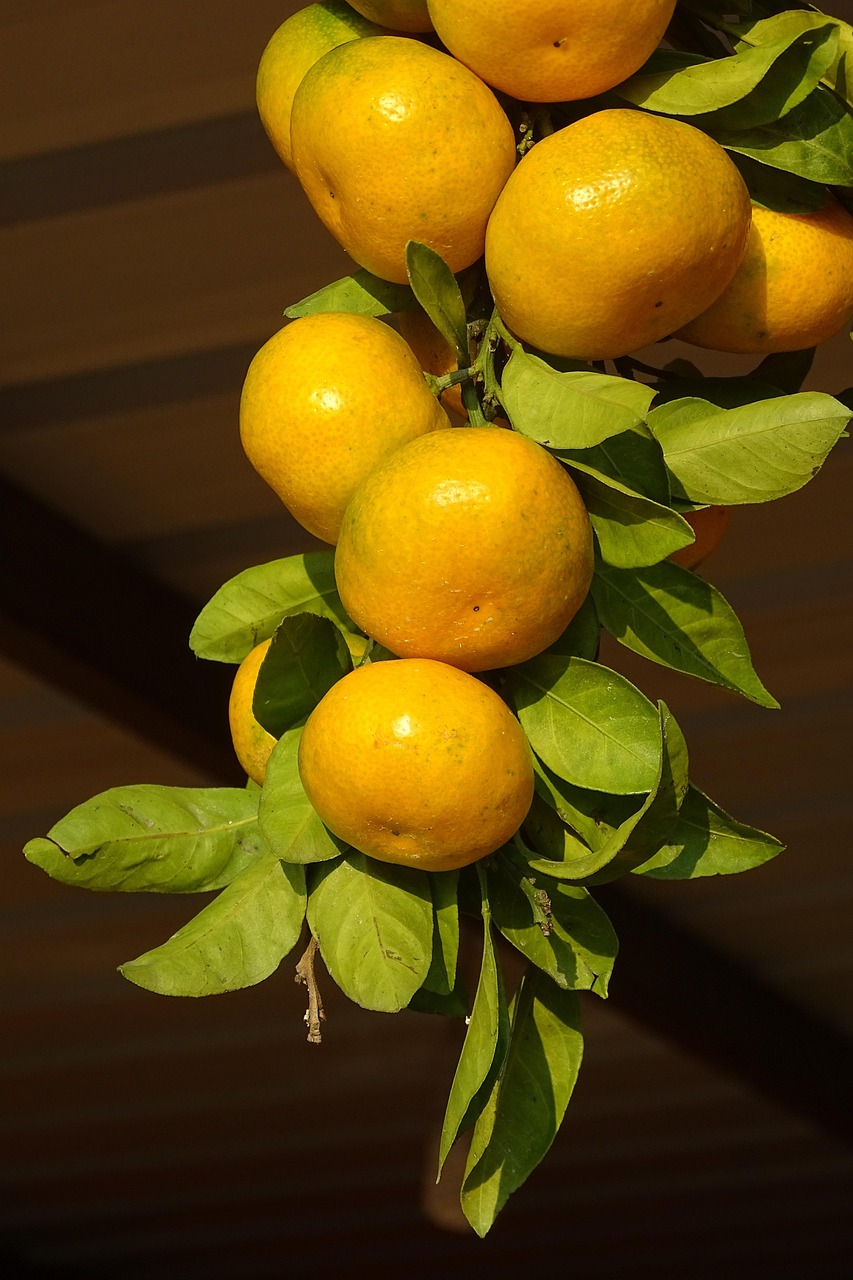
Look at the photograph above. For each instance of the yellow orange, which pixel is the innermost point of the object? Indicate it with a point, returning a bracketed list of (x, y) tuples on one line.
[(418, 763), (394, 141), (252, 743), (793, 290), (294, 47), (471, 546), (325, 400), (614, 232), (552, 50)]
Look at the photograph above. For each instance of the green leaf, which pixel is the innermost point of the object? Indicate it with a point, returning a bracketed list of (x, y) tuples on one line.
[(632, 530), (814, 141), (435, 287), (289, 822), (753, 87), (594, 815), (572, 410), (236, 941), (441, 992), (483, 1049), (249, 607), (708, 842), (777, 189), (361, 294), (306, 657), (581, 637), (675, 618), (528, 1100), (579, 949), (587, 723), (786, 370), (755, 453), (373, 925), (154, 839), (839, 75), (633, 459)]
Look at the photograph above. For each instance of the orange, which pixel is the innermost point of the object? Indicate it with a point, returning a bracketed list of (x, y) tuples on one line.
[(252, 743), (793, 290), (552, 50), (395, 141), (709, 524), (325, 400), (418, 763), (470, 545), (614, 232), (291, 50), (402, 15)]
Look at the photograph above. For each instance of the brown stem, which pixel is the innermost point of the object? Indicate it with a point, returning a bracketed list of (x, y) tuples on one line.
[(314, 1014)]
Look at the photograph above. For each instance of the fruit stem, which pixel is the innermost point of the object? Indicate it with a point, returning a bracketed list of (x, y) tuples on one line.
[(305, 974)]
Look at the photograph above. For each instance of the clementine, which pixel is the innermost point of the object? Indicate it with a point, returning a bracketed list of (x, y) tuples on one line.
[(252, 743)]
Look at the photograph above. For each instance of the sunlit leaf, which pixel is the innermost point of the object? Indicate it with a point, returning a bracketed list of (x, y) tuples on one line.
[(814, 141), (708, 842), (632, 530), (288, 820), (361, 294)]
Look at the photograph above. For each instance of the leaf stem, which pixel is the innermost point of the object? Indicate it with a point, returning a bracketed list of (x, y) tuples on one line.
[(305, 974)]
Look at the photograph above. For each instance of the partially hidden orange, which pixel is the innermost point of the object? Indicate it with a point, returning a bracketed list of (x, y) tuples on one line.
[(402, 15), (709, 525), (471, 546), (613, 232), (325, 400), (252, 743), (418, 763)]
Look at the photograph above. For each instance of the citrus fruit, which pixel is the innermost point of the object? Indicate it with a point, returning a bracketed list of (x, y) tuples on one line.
[(793, 290), (470, 545), (613, 232), (252, 743), (402, 15), (291, 50), (551, 50), (395, 141), (709, 524), (324, 401), (418, 763)]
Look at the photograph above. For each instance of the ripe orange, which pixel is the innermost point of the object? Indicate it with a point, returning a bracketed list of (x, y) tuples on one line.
[(793, 290), (291, 50), (394, 141), (552, 50), (418, 763), (470, 545), (402, 15), (324, 401), (613, 232), (709, 524), (252, 743)]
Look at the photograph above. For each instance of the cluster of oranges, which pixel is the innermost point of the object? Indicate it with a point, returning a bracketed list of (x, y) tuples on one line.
[(462, 551)]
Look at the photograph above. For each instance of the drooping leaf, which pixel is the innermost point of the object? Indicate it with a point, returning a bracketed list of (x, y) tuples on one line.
[(483, 1050), (361, 294), (587, 723), (441, 991), (307, 656), (236, 941), (249, 607), (677, 619), (435, 287), (633, 459), (579, 948), (708, 842), (154, 839), (573, 410), (755, 453), (528, 1099), (814, 140), (632, 530), (289, 822), (373, 924)]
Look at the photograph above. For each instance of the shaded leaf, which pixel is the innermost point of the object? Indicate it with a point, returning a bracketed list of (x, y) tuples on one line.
[(154, 839), (674, 617), (814, 141), (581, 637), (236, 941), (528, 1100), (373, 924), (249, 607), (435, 287), (441, 991), (288, 820), (839, 75), (307, 656), (631, 530), (777, 189), (633, 459), (708, 842), (786, 370), (361, 294)]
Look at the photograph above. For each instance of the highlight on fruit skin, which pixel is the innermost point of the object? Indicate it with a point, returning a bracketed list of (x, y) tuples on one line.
[(292, 49), (395, 141), (324, 401), (709, 525), (552, 50), (613, 232), (793, 290), (414, 762), (471, 546), (252, 743)]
